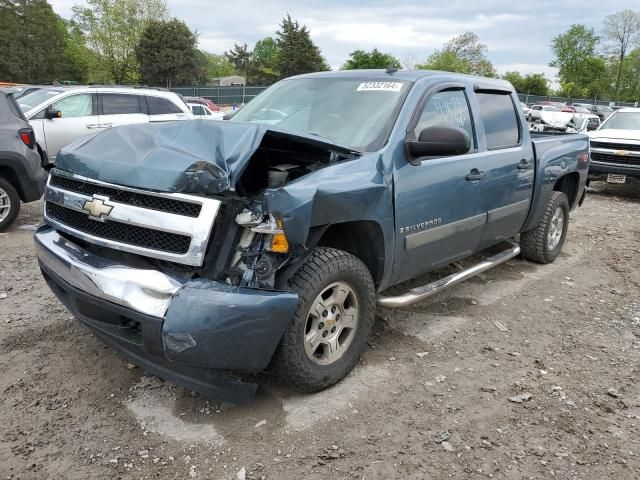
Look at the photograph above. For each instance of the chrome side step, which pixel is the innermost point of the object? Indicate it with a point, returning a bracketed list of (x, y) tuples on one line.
[(420, 293)]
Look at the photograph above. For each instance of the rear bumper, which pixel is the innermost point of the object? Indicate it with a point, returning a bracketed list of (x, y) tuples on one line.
[(191, 332), (600, 170)]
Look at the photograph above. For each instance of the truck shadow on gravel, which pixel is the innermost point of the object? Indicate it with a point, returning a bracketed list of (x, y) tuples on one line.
[(627, 191), (398, 335)]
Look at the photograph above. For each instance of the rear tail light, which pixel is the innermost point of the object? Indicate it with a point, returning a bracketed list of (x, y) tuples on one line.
[(27, 137)]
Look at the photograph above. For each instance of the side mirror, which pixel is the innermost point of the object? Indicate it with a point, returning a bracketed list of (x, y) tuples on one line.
[(52, 113), (592, 126), (229, 115), (439, 141)]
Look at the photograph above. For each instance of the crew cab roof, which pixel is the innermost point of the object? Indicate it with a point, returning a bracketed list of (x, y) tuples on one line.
[(414, 76)]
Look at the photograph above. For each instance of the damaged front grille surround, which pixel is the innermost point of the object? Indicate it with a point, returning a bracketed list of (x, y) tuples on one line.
[(137, 229)]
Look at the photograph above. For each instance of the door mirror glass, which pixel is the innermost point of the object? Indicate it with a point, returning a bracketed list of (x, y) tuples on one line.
[(440, 141), (592, 126), (52, 113)]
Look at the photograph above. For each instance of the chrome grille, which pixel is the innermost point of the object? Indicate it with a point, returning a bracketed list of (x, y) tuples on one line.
[(121, 232), (167, 226), (618, 159), (631, 147), (128, 197)]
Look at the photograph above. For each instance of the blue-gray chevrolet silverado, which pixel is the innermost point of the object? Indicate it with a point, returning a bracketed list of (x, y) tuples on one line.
[(209, 251)]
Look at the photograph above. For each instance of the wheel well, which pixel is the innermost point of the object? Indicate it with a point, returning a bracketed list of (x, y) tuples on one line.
[(8, 174), (362, 239), (568, 184)]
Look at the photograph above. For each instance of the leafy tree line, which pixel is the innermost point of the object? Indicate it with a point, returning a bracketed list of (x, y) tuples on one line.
[(603, 64), (137, 41)]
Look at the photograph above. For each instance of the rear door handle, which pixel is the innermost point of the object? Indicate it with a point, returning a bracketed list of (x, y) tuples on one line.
[(475, 174), (524, 164)]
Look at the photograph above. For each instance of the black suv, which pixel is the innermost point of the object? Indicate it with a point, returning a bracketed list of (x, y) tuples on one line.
[(22, 176)]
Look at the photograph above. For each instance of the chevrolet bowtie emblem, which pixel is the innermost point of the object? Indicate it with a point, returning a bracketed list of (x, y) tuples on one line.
[(97, 208)]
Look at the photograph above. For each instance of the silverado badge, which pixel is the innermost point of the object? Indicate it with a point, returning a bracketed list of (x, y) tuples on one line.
[(97, 207)]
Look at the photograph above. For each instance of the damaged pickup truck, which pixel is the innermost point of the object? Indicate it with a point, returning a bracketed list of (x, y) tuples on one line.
[(207, 252)]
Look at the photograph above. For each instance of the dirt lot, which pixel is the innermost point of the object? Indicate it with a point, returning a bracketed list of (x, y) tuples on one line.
[(71, 408)]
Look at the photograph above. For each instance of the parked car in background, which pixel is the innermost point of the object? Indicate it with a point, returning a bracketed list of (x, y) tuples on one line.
[(22, 177), (563, 107), (578, 109), (265, 242), (203, 101), (603, 111), (202, 111), (534, 111), (62, 114), (586, 122), (586, 106), (615, 148)]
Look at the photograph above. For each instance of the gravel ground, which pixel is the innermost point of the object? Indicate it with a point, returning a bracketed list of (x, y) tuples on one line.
[(525, 372)]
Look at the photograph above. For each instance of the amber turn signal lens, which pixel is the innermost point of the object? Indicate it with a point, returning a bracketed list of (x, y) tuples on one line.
[(279, 243)]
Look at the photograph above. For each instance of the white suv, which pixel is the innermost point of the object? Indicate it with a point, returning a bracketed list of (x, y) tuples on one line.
[(60, 115)]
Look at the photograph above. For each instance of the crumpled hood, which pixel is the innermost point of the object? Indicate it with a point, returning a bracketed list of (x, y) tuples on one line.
[(196, 156)]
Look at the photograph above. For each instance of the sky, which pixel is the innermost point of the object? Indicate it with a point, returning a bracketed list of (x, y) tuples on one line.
[(518, 34)]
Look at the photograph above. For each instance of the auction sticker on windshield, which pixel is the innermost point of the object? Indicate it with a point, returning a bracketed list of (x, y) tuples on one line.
[(380, 86)]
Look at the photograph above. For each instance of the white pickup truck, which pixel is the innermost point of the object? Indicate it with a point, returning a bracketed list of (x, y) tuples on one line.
[(615, 148)]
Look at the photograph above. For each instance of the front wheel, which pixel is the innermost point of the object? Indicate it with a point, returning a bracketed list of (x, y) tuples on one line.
[(544, 243), (331, 324)]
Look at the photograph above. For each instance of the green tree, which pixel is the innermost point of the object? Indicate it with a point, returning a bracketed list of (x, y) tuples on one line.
[(113, 29), (168, 56), (32, 43), (576, 59), (78, 60), (462, 54), (531, 83), (621, 32), (240, 58), (297, 53), (219, 66), (360, 59), (264, 62)]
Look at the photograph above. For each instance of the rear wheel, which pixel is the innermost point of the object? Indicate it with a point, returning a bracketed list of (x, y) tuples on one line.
[(9, 204), (332, 322), (544, 243)]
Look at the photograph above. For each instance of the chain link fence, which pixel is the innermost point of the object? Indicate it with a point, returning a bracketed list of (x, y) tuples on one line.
[(533, 99), (233, 95)]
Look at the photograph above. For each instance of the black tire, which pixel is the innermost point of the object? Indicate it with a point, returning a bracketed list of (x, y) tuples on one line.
[(534, 244), (323, 267), (13, 200)]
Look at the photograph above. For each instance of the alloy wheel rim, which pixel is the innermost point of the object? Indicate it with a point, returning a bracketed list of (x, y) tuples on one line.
[(555, 229), (331, 323), (5, 204)]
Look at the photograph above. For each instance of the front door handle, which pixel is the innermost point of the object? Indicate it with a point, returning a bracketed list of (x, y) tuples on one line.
[(93, 126), (475, 174), (524, 164)]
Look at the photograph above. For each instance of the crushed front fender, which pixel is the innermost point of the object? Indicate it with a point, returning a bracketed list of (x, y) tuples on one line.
[(214, 325)]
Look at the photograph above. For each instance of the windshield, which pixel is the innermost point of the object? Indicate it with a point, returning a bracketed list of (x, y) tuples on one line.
[(36, 97), (605, 109), (355, 113), (623, 121)]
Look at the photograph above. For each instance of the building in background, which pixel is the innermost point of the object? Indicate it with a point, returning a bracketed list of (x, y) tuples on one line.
[(230, 81)]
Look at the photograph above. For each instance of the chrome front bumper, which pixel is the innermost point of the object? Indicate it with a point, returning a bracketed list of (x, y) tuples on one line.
[(142, 289)]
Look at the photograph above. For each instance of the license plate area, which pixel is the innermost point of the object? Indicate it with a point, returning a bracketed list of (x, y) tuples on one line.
[(613, 178)]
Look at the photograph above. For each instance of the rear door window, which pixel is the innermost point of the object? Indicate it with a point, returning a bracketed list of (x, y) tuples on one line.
[(120, 104), (162, 106), (500, 119)]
